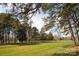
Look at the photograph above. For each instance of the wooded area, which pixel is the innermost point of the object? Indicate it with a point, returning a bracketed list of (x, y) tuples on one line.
[(14, 31), (63, 16)]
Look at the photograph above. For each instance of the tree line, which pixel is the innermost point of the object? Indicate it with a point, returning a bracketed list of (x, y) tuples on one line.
[(63, 15)]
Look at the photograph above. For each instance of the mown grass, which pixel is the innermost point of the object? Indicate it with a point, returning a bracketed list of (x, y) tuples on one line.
[(61, 47)]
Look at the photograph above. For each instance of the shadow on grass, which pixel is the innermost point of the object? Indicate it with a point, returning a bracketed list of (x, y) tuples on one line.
[(69, 46), (20, 44), (30, 43), (48, 41), (66, 54)]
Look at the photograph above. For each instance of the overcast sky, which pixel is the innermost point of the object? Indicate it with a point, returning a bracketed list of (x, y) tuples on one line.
[(38, 21)]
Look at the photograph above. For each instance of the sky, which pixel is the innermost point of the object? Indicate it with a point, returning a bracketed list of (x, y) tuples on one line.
[(38, 21), (2, 9)]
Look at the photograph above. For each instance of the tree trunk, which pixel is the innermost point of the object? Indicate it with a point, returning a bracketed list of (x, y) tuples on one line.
[(3, 37), (75, 26), (71, 31), (15, 38), (76, 23), (8, 38), (27, 36)]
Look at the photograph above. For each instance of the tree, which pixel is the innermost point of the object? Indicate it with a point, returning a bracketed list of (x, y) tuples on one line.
[(68, 14), (43, 36), (68, 19), (21, 35), (35, 33), (7, 24), (50, 36)]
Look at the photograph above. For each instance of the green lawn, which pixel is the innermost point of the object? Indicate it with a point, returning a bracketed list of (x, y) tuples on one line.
[(61, 47)]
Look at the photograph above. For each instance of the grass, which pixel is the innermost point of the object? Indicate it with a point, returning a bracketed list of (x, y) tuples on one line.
[(62, 47)]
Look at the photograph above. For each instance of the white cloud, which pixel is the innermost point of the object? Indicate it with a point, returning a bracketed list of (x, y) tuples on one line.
[(37, 21)]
